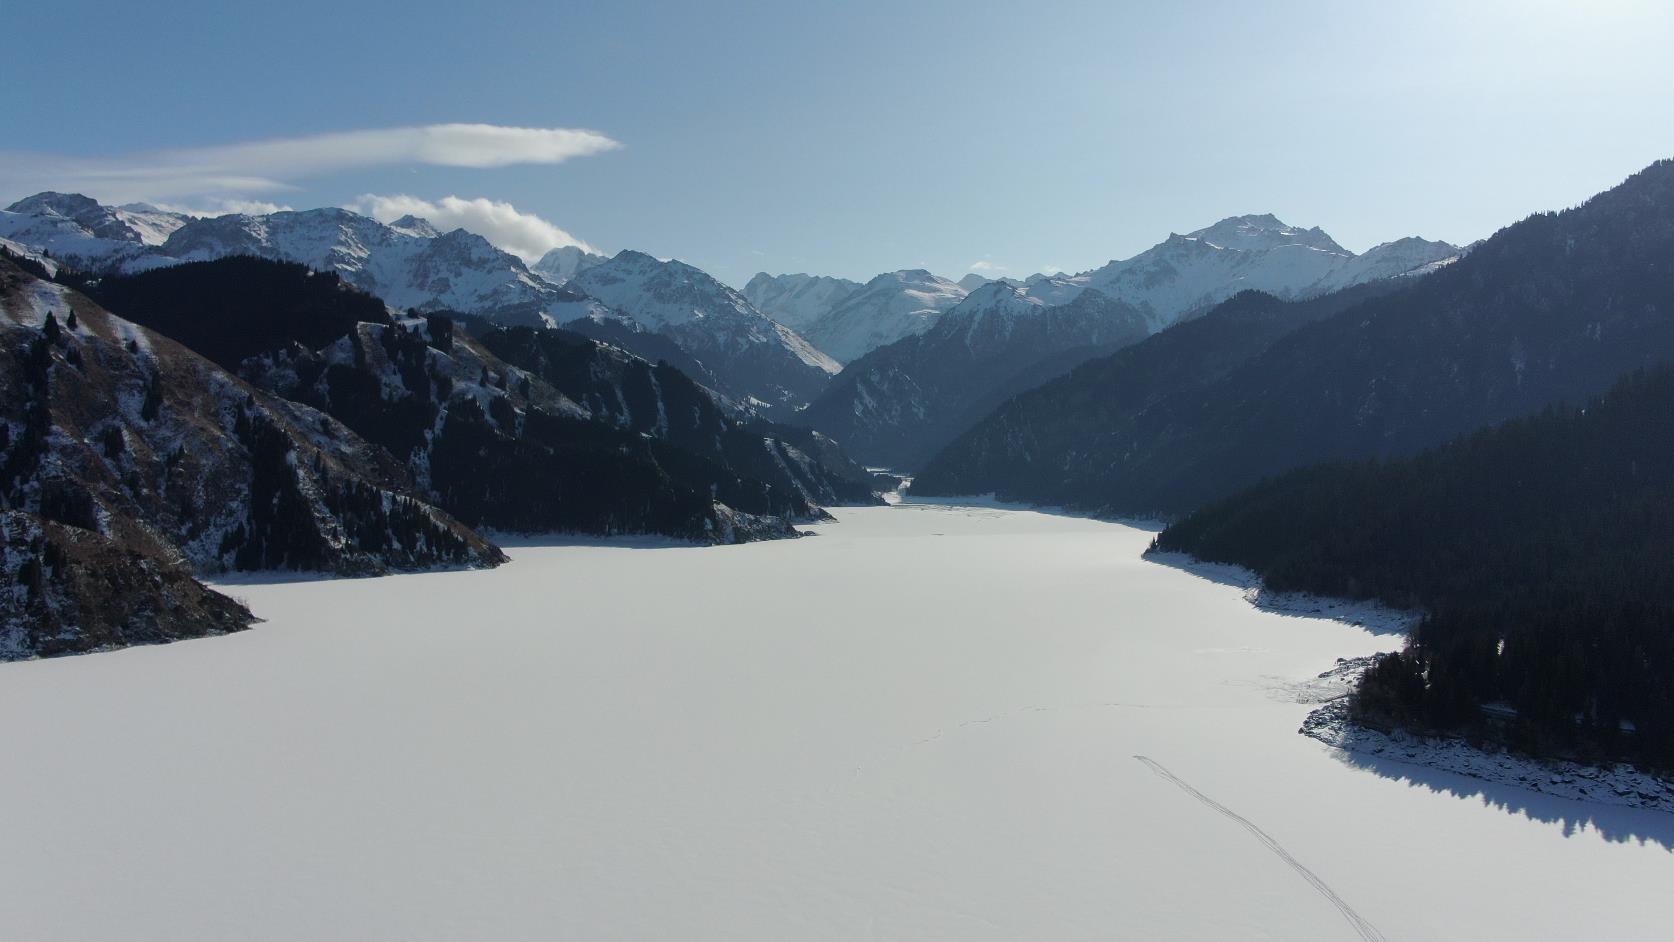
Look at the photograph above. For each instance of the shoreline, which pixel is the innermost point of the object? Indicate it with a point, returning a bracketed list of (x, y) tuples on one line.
[(1617, 784)]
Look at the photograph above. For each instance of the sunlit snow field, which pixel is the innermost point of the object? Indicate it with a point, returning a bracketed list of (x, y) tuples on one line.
[(921, 724)]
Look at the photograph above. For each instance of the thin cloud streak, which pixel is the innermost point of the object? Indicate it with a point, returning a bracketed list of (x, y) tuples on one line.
[(267, 166)]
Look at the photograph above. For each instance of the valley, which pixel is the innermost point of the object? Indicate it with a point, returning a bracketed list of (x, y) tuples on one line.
[(967, 749)]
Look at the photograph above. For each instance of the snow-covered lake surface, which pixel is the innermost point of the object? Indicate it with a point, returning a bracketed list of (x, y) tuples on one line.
[(925, 723)]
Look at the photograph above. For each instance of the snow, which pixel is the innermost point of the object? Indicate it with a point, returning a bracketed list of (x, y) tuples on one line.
[(1187, 274), (1619, 784), (797, 301), (561, 264), (888, 308), (926, 722), (24, 251), (409, 264)]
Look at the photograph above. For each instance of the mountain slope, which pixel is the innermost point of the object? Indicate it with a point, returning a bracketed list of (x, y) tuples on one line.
[(752, 355), (1540, 548), (889, 307), (584, 436), (661, 402), (1548, 310), (797, 301), (1029, 448), (115, 429), (562, 264), (408, 266), (1187, 274), (71, 590), (900, 403), (408, 263)]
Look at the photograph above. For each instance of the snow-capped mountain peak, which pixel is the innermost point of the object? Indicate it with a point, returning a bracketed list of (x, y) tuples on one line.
[(757, 356), (413, 225), (1256, 233), (798, 301), (891, 306), (1188, 274), (563, 263)]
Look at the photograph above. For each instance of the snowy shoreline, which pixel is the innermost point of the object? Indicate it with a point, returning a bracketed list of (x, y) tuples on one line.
[(1620, 785)]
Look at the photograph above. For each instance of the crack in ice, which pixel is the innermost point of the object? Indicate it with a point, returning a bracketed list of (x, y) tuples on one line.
[(1366, 930)]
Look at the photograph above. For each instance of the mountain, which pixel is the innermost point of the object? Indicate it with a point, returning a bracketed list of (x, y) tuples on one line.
[(753, 355), (663, 403), (1407, 257), (562, 264), (408, 263), (881, 408), (1551, 309), (83, 232), (238, 307), (972, 282), (889, 307), (1539, 548), (520, 429), (897, 405), (411, 265), (115, 429), (1107, 398), (797, 301), (408, 266), (78, 590), (653, 347), (1187, 274)]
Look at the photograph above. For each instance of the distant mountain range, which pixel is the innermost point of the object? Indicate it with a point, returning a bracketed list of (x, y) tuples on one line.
[(1185, 275), (847, 320), (412, 265), (1552, 309), (754, 355), (895, 406), (901, 403)]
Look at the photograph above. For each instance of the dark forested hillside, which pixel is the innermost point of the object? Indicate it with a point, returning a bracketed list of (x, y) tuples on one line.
[(1543, 550), (659, 400), (583, 437), (107, 426), (1109, 399), (237, 307), (1549, 310)]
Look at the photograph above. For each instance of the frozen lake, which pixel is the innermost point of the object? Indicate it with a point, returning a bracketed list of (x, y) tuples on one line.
[(921, 724)]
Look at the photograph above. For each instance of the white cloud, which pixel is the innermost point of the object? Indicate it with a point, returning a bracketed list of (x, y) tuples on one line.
[(224, 207), (984, 265), (525, 235), (267, 166)]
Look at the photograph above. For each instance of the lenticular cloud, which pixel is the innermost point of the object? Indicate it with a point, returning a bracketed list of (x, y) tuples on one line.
[(264, 166), (525, 235)]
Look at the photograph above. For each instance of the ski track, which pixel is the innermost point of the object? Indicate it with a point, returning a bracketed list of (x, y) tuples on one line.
[(1364, 929)]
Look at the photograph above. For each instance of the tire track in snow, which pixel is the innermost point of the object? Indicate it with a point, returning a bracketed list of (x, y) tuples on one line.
[(1366, 930)]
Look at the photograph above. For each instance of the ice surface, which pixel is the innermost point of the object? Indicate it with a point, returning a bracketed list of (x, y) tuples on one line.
[(922, 723)]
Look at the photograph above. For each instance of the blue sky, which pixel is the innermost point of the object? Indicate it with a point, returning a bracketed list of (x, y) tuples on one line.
[(853, 138)]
